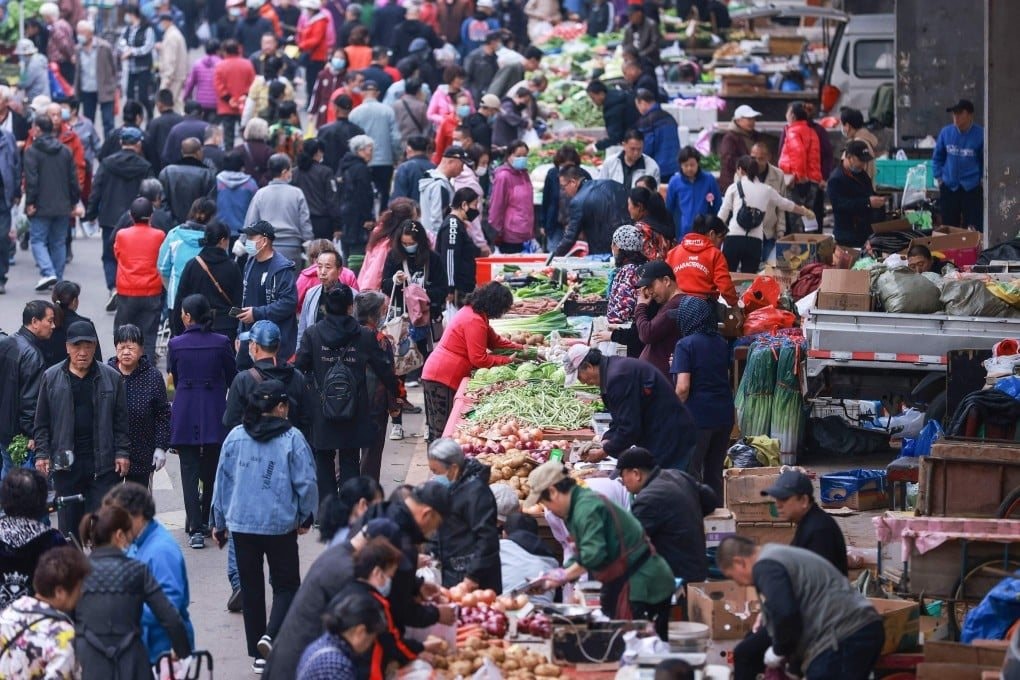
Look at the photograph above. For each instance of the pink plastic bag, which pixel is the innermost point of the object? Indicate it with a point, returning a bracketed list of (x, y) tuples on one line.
[(416, 301)]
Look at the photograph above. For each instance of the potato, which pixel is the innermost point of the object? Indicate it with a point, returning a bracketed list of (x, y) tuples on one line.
[(524, 472), (477, 663), (497, 654), (461, 668), (475, 644), (510, 665), (439, 662), (515, 483), (547, 670)]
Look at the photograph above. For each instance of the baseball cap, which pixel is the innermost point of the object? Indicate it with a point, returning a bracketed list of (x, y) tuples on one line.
[(265, 333), (261, 228), (268, 394), (652, 271), (490, 101), (859, 150), (790, 483), (745, 111), (434, 495), (370, 85), (543, 477), (130, 135), (311, 4), (388, 529), (488, 4), (636, 458), (456, 152), (962, 105), (507, 501), (81, 331)]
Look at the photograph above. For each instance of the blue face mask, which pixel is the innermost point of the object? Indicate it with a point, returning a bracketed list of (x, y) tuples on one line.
[(385, 588), (463, 111), (250, 248), (65, 114), (337, 64), (442, 479), (411, 250), (519, 163)]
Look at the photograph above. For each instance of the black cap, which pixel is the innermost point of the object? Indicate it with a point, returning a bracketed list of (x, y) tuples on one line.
[(652, 271), (370, 85), (165, 17), (388, 529), (434, 495), (81, 331), (457, 152), (635, 458), (268, 394), (261, 228), (790, 483), (962, 105), (859, 150)]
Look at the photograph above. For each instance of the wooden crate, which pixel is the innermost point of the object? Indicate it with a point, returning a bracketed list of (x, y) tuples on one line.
[(967, 479)]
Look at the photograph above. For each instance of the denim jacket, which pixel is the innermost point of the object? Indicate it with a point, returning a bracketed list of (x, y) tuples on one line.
[(264, 485)]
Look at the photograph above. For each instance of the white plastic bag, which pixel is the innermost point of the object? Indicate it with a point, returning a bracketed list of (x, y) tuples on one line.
[(416, 670), (488, 671), (448, 314), (532, 139), (913, 189)]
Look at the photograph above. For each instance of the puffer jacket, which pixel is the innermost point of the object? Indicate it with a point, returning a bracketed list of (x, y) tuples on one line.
[(599, 207), (45, 646), (50, 170), (511, 206), (468, 538), (54, 416), (340, 338), (22, 543), (265, 481), (801, 155), (245, 383), (181, 245), (200, 84), (116, 185), (356, 199)]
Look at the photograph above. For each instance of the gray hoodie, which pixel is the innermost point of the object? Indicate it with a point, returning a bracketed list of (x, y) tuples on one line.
[(284, 206)]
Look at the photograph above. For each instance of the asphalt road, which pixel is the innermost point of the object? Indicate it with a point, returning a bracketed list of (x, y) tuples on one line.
[(216, 629)]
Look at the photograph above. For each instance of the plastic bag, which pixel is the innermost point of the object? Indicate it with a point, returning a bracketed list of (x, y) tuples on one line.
[(416, 670), (1007, 291), (762, 292), (864, 263), (1010, 385), (968, 297), (914, 188), (906, 424), (903, 291), (742, 455), (768, 320), (921, 446), (488, 671), (767, 449)]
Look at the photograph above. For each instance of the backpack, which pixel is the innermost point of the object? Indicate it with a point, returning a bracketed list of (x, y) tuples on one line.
[(339, 393), (286, 139), (748, 218)]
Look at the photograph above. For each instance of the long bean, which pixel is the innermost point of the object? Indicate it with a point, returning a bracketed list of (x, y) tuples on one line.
[(537, 404)]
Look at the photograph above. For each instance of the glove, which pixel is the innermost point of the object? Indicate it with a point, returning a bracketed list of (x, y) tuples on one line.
[(772, 660), (158, 459)]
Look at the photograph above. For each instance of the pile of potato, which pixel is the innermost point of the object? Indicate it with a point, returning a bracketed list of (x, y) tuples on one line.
[(515, 662), (510, 468)]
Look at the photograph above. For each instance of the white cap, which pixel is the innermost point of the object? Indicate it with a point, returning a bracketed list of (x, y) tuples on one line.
[(25, 46), (311, 4), (745, 111), (488, 4)]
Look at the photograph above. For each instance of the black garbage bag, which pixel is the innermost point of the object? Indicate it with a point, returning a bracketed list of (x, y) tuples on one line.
[(832, 434), (743, 455), (1010, 250)]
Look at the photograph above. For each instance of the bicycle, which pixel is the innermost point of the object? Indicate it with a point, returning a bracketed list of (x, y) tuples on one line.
[(59, 503)]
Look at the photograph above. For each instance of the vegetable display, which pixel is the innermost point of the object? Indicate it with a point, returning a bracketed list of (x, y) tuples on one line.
[(787, 405), (754, 396), (514, 662), (537, 624), (555, 321), (541, 405)]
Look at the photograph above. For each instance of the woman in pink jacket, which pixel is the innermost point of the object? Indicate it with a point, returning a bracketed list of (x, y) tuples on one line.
[(199, 85), (378, 247), (442, 102), (511, 206)]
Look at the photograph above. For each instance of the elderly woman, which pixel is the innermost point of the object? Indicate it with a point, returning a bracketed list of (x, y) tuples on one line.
[(370, 308), (148, 408), (357, 218), (23, 538), (468, 537), (257, 151), (701, 369), (465, 346)]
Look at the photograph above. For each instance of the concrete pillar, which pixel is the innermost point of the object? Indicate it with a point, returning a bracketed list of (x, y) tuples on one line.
[(1002, 134)]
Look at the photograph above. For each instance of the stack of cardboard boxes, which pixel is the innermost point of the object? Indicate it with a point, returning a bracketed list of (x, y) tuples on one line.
[(755, 515)]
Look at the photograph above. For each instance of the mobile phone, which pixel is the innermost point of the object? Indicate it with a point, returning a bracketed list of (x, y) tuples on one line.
[(234, 312)]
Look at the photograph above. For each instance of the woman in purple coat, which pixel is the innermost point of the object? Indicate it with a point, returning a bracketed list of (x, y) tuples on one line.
[(202, 366)]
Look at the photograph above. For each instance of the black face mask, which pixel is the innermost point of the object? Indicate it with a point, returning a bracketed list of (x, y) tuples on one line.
[(471, 214)]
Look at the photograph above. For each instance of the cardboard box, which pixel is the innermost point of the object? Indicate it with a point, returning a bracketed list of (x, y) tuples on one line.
[(742, 489), (767, 532), (716, 604), (901, 620), (796, 250), (718, 526), (854, 489), (959, 247), (977, 653), (845, 290), (951, 671)]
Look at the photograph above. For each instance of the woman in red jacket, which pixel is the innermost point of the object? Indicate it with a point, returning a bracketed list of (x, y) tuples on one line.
[(464, 346), (801, 156), (313, 40)]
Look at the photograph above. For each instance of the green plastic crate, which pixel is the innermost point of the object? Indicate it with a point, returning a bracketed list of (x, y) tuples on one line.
[(893, 173)]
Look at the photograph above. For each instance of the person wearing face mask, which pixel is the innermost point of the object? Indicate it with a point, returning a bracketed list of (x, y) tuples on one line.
[(95, 75), (454, 245), (475, 175), (510, 206), (136, 45), (329, 80), (312, 40), (468, 538), (854, 200), (513, 119), (445, 131), (269, 291), (109, 613)]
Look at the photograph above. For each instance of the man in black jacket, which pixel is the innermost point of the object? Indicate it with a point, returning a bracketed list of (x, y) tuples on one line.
[(187, 180), (408, 30), (618, 111), (337, 134), (816, 531), (192, 125), (21, 367), (853, 197), (670, 504), (158, 130), (597, 208), (116, 184), (376, 70), (82, 409)]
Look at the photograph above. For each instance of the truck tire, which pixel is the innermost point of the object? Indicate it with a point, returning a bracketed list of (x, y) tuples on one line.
[(936, 409)]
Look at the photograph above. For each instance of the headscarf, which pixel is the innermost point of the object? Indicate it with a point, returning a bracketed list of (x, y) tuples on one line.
[(696, 315), (628, 237)]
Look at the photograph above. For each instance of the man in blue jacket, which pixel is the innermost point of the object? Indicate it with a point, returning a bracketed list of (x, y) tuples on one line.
[(662, 141), (157, 549), (958, 161), (597, 208), (412, 170), (269, 292)]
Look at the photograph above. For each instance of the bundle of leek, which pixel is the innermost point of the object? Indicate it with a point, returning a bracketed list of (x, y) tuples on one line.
[(754, 396), (787, 404), (543, 324)]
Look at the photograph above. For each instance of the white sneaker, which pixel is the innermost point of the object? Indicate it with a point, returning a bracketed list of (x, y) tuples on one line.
[(258, 666), (265, 646), (45, 282), (397, 433), (412, 383)]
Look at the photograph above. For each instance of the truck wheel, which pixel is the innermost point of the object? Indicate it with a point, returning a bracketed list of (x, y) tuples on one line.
[(936, 409), (1010, 506)]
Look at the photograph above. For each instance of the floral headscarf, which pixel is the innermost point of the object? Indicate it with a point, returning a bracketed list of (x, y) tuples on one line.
[(696, 315)]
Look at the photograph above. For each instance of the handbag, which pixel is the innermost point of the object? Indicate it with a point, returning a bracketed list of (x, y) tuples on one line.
[(416, 300), (205, 268), (406, 356)]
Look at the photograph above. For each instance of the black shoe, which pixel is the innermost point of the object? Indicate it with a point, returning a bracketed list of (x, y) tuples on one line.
[(111, 304), (408, 407), (234, 604), (23, 241)]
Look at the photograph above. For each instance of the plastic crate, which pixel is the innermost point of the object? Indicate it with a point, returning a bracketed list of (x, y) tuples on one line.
[(847, 409), (893, 173)]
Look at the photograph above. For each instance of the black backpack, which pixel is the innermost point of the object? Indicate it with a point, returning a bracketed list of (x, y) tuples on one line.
[(339, 393), (747, 217)]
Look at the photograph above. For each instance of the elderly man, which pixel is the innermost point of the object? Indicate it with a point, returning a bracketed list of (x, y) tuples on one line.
[(618, 112), (81, 426), (35, 77), (284, 206), (329, 266), (852, 121), (380, 123), (511, 76), (631, 164), (737, 142), (10, 120), (60, 49), (187, 180), (95, 76), (173, 59)]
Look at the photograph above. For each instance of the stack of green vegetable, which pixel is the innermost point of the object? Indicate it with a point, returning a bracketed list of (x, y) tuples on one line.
[(542, 324), (755, 394), (547, 371), (787, 404), (543, 404)]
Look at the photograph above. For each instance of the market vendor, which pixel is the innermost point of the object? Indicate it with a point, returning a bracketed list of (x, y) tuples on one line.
[(465, 346), (920, 259), (853, 196), (468, 538), (597, 207), (671, 506), (611, 546), (817, 620), (645, 409)]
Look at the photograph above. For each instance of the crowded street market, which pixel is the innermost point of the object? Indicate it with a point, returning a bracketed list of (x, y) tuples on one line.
[(523, 339)]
